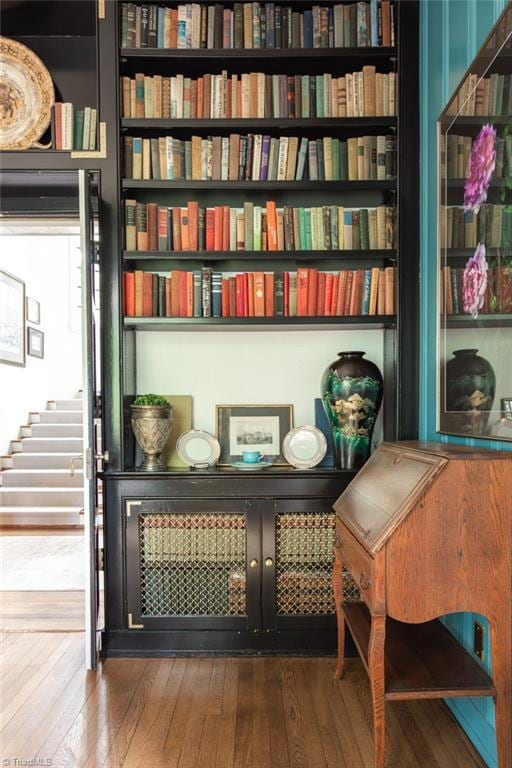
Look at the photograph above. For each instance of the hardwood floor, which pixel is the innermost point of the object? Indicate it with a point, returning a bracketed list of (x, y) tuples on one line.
[(42, 611), (205, 713)]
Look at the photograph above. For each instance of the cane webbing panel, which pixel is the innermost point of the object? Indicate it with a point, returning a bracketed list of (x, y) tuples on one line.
[(192, 564), (304, 557)]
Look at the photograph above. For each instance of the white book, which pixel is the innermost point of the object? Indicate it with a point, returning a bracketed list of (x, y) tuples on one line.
[(261, 95), (275, 96), (350, 94), (224, 93), (93, 130), (148, 97), (224, 163), (209, 160), (83, 141), (170, 157), (360, 94), (174, 100), (162, 156), (188, 27), (67, 126), (182, 26), (179, 95), (283, 158), (196, 26), (210, 27), (245, 95), (256, 157), (204, 158), (341, 227)]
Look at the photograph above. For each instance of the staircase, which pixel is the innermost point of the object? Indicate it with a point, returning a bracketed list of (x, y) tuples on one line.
[(36, 485)]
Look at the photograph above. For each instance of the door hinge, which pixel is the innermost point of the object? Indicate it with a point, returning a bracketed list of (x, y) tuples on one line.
[(131, 625), (100, 559)]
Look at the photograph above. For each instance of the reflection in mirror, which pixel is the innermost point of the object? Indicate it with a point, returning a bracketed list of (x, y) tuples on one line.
[(475, 240)]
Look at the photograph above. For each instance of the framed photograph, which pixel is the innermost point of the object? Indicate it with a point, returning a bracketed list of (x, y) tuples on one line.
[(506, 407), (12, 319), (252, 428), (33, 311), (35, 342)]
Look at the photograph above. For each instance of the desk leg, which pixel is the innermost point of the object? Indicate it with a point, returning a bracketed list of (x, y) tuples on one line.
[(501, 637), (337, 583), (377, 682)]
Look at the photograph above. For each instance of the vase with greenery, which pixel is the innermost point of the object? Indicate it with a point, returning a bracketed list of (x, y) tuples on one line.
[(151, 423)]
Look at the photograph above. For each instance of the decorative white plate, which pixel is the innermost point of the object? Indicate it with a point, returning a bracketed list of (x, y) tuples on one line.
[(198, 449), (246, 466), (304, 447), (26, 96)]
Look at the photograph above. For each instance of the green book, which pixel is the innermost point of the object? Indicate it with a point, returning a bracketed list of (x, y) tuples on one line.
[(343, 161), (307, 228), (78, 129), (302, 229), (305, 95), (320, 96), (334, 228), (364, 235), (336, 159)]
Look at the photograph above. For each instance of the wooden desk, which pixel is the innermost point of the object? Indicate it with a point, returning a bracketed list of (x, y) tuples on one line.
[(425, 530)]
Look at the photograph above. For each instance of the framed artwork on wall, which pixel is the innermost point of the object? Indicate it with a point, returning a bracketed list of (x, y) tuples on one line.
[(35, 343), (255, 428), (33, 311), (12, 319)]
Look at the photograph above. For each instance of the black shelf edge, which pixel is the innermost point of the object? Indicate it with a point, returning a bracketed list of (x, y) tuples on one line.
[(216, 471), (205, 185), (259, 323), (380, 52), (482, 321), (460, 183), (476, 120), (148, 123), (374, 255)]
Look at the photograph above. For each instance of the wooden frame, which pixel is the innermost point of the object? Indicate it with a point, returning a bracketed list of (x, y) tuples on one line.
[(12, 319), (224, 416)]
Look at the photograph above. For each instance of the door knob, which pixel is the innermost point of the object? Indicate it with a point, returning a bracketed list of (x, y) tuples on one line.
[(269, 562), (253, 563)]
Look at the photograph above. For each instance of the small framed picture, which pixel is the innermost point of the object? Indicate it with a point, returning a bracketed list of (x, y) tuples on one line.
[(33, 311), (35, 342), (506, 407), (255, 428), (12, 319)]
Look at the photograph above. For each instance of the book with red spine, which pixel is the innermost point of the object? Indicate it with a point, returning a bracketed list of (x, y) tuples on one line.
[(210, 229), (147, 295), (334, 297), (342, 292), (329, 279), (287, 294), (175, 293), (320, 304), (269, 294), (129, 294), (57, 110), (246, 294), (250, 292), (189, 294), (312, 292), (225, 297), (139, 290), (225, 227), (271, 226), (182, 293), (152, 214), (259, 294), (218, 228), (193, 224), (232, 296), (239, 295), (348, 293), (176, 229), (163, 229), (302, 291), (354, 308), (185, 231)]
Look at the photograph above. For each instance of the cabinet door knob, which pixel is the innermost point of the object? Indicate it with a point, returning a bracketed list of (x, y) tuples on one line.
[(269, 562), (253, 563)]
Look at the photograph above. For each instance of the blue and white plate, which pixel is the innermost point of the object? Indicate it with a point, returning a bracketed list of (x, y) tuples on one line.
[(244, 465)]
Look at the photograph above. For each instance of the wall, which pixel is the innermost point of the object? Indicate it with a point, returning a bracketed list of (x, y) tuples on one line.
[(451, 33), (48, 265)]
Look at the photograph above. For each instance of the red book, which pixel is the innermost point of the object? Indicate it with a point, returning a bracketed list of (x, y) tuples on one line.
[(312, 292), (152, 213), (129, 294), (185, 231), (354, 308), (176, 229), (225, 227), (139, 290), (207, 86), (193, 224), (348, 293), (232, 297), (174, 28), (228, 99), (302, 291), (246, 294), (57, 109), (217, 246), (320, 304), (210, 229), (239, 295), (190, 293), (200, 94), (334, 298), (342, 292), (182, 290), (329, 279), (271, 226), (175, 293), (225, 297), (250, 292), (286, 294), (259, 294), (269, 294), (147, 295), (193, 99), (162, 228)]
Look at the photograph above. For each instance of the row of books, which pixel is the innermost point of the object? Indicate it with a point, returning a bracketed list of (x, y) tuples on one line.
[(483, 96), (257, 25), (492, 225), (260, 157), (152, 227), (458, 152), (73, 129), (305, 293), (366, 93), (498, 292)]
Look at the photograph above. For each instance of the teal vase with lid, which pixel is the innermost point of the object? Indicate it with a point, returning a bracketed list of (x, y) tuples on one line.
[(352, 395)]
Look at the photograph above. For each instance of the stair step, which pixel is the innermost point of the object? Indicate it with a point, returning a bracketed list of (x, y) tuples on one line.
[(44, 461), (58, 417), (41, 478), (51, 444), (41, 497), (40, 516), (75, 404), (56, 430)]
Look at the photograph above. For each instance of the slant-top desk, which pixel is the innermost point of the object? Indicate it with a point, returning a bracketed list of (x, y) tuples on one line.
[(425, 530)]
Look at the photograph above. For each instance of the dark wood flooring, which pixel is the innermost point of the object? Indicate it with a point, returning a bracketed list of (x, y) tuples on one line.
[(205, 713)]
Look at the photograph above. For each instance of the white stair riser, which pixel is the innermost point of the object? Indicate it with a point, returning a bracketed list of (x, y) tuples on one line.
[(39, 516), (55, 445), (56, 430), (41, 497), (42, 478), (43, 461), (58, 417), (65, 405)]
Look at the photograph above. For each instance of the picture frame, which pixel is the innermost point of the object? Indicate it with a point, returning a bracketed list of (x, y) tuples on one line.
[(506, 408), (12, 320), (35, 343), (255, 428), (33, 311)]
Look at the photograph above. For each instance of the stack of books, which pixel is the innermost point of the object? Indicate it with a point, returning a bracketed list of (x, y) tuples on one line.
[(367, 93), (153, 227), (257, 25), (305, 293), (498, 293), (260, 157), (492, 225), (74, 129)]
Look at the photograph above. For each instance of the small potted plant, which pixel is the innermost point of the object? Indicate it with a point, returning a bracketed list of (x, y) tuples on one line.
[(151, 423)]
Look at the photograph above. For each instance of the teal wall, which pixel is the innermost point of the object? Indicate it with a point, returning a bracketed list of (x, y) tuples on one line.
[(451, 33)]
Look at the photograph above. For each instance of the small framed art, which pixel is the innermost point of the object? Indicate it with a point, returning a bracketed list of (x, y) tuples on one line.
[(253, 427), (506, 408), (35, 343), (12, 319), (33, 311)]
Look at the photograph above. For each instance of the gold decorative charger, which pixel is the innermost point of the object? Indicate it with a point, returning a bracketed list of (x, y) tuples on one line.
[(26, 96)]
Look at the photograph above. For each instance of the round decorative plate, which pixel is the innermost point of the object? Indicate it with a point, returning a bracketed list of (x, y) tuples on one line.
[(26, 96), (304, 447), (246, 467), (197, 448)]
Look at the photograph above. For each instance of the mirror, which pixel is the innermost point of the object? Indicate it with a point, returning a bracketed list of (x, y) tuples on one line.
[(475, 246)]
